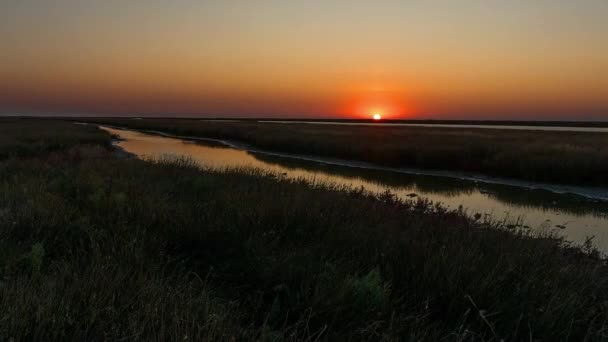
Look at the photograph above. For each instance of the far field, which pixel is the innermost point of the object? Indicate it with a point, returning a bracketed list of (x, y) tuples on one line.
[(576, 158)]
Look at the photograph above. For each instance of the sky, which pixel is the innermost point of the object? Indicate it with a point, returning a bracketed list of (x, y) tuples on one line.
[(452, 59)]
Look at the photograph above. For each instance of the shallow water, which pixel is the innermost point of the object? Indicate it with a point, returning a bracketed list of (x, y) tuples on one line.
[(539, 209)]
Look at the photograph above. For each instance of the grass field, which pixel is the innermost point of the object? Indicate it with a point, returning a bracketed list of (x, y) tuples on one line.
[(26, 138), (577, 158), (95, 247)]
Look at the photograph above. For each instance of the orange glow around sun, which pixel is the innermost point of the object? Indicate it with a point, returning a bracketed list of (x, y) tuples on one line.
[(377, 106)]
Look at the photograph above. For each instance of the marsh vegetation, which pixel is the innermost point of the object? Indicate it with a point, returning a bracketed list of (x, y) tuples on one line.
[(577, 158), (98, 247)]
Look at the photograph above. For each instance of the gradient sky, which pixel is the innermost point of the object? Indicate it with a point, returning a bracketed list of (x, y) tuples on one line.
[(543, 59)]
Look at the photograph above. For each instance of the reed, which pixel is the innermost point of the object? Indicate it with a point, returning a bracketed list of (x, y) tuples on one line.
[(94, 247)]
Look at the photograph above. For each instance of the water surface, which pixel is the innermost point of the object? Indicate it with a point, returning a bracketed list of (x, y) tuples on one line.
[(396, 124), (576, 217)]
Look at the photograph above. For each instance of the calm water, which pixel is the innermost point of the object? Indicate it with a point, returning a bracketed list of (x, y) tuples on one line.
[(539, 209), (517, 127)]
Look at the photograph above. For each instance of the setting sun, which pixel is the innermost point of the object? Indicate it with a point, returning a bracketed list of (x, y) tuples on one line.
[(377, 116)]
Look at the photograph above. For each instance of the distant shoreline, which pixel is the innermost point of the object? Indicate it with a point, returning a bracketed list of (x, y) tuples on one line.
[(591, 129), (557, 123)]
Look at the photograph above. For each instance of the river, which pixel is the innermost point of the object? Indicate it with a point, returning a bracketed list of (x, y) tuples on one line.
[(574, 216)]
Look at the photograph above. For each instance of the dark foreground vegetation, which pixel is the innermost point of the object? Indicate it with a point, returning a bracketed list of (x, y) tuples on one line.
[(96, 247), (577, 158)]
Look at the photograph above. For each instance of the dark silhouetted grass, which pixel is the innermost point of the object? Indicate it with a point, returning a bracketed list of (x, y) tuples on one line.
[(579, 158), (94, 247), (21, 137)]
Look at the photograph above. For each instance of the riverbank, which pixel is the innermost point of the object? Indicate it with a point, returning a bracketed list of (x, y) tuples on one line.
[(570, 158), (98, 247)]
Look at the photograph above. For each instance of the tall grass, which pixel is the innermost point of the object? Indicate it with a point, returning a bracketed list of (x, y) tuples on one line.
[(96, 247), (22, 137), (579, 158)]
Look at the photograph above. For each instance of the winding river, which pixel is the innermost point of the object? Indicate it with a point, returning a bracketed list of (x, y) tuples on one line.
[(575, 213)]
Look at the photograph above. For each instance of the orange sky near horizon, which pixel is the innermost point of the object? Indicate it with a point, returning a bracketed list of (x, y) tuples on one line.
[(444, 60)]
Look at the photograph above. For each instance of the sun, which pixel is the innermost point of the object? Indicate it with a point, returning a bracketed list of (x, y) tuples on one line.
[(377, 116)]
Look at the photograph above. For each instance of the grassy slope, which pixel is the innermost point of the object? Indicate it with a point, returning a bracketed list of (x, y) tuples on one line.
[(96, 247), (560, 157)]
